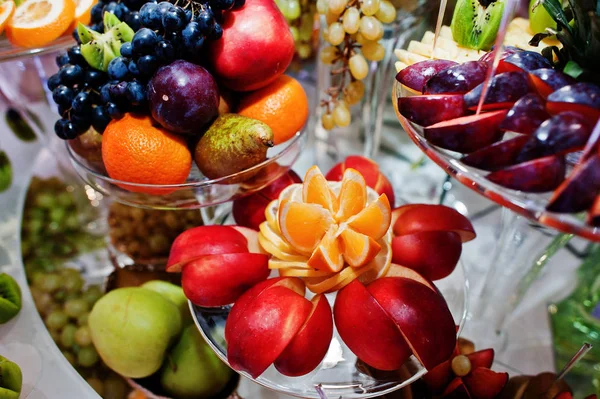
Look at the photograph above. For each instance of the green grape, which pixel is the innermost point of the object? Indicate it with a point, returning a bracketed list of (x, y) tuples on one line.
[(97, 385), (354, 92), (331, 17), (70, 358), (56, 320), (386, 13), (327, 121), (83, 319), (322, 7), (73, 282), (304, 50), (341, 115), (306, 27), (369, 7), (50, 282), (76, 307), (45, 200), (336, 34), (83, 336), (351, 20), (34, 226), (293, 9), (358, 67), (370, 28), (92, 294), (87, 356), (373, 51), (57, 215), (337, 6), (295, 33), (67, 335), (72, 223), (329, 54), (65, 200), (55, 335)]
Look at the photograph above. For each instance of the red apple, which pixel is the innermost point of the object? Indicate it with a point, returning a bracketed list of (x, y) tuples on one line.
[(367, 330), (423, 217), (438, 378), (456, 390), (252, 239), (310, 345), (484, 383), (268, 320), (204, 240), (396, 270), (257, 46), (483, 358), (249, 211)]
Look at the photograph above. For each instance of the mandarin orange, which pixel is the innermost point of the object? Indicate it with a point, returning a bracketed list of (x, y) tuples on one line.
[(38, 22)]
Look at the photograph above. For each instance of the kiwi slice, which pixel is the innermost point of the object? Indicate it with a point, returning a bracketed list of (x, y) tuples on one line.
[(98, 49), (11, 379), (475, 23), (10, 298)]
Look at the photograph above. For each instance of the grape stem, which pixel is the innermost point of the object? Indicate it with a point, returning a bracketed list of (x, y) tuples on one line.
[(346, 52)]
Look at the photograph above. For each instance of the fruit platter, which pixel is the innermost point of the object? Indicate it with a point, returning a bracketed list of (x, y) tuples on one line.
[(517, 125)]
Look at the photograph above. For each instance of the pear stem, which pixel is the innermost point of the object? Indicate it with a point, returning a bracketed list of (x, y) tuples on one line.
[(577, 357)]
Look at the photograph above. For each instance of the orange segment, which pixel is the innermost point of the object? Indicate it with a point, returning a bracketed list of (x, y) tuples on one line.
[(38, 22), (303, 225), (275, 238), (83, 12), (381, 264), (320, 285), (6, 11), (271, 216), (374, 220), (353, 195), (315, 190), (283, 264), (293, 272), (278, 253), (358, 249), (327, 256)]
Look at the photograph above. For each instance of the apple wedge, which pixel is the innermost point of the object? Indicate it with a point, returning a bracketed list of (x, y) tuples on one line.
[(424, 217), (483, 358), (456, 390), (396, 270), (483, 383)]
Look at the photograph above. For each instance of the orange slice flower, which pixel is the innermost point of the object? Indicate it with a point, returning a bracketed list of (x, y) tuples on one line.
[(373, 219), (353, 195), (358, 249), (303, 225), (315, 190), (328, 255)]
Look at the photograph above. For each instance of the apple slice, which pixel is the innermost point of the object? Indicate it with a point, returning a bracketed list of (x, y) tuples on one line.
[(468, 133), (496, 156), (310, 345), (396, 270), (439, 377), (506, 88), (484, 383), (268, 320), (426, 217), (548, 80), (482, 358), (252, 239), (565, 395), (579, 97), (434, 254), (367, 330), (456, 390), (537, 176), (218, 280), (416, 75), (204, 240), (528, 113), (430, 109), (578, 192), (422, 316)]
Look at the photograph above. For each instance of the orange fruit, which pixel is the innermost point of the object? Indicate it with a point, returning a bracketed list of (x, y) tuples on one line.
[(303, 225), (374, 220), (83, 12), (39, 22), (328, 255), (315, 190), (381, 263), (283, 105), (358, 249), (6, 11), (278, 253), (302, 272), (353, 195), (136, 151), (274, 237), (336, 282)]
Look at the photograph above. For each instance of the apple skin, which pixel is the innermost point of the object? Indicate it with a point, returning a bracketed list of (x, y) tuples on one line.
[(132, 328), (396, 270), (456, 390), (310, 345), (422, 316), (415, 218), (266, 322), (204, 240), (218, 280), (484, 383), (367, 330), (257, 46), (434, 254), (249, 211)]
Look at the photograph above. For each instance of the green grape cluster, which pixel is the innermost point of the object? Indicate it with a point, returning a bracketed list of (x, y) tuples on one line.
[(300, 15), (354, 30)]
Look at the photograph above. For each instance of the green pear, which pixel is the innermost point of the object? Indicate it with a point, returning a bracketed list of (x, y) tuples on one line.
[(132, 328), (192, 370), (11, 379), (173, 293), (232, 144)]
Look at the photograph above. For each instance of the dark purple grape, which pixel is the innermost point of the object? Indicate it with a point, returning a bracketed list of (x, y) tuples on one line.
[(100, 119), (147, 64), (136, 93), (134, 20), (62, 95), (53, 82), (118, 92), (62, 59), (144, 41), (174, 20), (165, 51), (82, 103), (76, 58), (113, 111)]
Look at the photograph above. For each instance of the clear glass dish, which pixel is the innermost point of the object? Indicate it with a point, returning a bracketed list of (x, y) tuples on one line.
[(339, 374), (10, 52), (198, 191)]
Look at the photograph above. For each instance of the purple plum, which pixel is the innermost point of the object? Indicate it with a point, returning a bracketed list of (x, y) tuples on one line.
[(457, 79), (547, 80), (523, 61), (579, 97), (496, 156), (526, 115), (537, 176), (416, 75), (505, 90), (426, 110), (488, 58), (580, 189)]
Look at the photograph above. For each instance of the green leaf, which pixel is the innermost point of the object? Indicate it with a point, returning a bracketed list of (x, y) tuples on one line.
[(573, 69), (18, 125), (554, 8), (5, 172)]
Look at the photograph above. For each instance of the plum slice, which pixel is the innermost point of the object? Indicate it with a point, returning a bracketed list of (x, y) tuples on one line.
[(416, 75), (594, 213), (488, 58), (526, 115), (523, 61), (468, 133), (496, 156), (537, 176), (548, 80), (506, 88), (430, 109), (457, 79), (564, 132), (579, 97), (578, 192)]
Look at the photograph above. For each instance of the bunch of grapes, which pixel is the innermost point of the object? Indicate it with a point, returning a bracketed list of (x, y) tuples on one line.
[(354, 28), (300, 15)]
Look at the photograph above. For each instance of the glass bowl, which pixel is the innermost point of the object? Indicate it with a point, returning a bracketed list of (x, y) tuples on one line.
[(198, 191), (339, 374), (10, 52), (532, 206)]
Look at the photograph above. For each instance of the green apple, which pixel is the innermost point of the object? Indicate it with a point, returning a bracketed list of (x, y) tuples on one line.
[(132, 328), (11, 379), (539, 19), (192, 369), (173, 293)]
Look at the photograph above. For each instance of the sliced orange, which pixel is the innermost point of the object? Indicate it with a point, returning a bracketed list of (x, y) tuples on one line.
[(271, 215), (374, 220), (381, 264), (320, 285), (38, 22), (283, 264), (6, 11), (315, 190), (275, 238), (303, 225), (302, 272), (353, 195), (83, 12), (328, 255), (358, 249), (278, 253)]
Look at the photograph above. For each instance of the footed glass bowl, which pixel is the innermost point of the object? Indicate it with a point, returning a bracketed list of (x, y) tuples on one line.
[(198, 191), (340, 374), (530, 205), (9, 51)]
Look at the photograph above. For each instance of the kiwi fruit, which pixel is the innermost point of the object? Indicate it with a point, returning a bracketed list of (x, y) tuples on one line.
[(98, 49), (475, 23), (10, 298), (11, 379)]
